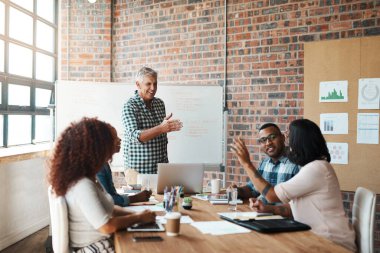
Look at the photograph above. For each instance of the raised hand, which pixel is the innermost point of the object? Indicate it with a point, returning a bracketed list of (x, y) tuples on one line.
[(240, 149)]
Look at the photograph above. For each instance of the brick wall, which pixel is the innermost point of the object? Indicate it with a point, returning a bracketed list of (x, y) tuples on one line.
[(266, 53), (85, 41), (184, 41), (181, 39)]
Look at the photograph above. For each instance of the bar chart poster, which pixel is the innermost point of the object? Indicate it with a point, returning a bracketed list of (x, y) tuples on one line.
[(334, 123), (333, 91)]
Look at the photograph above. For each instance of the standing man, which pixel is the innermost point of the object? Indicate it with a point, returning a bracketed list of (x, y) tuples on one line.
[(276, 168), (146, 125)]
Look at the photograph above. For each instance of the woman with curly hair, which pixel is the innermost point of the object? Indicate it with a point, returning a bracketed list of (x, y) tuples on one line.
[(79, 154), (313, 194)]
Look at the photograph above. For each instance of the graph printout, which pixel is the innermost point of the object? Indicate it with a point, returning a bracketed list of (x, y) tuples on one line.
[(334, 123), (333, 91), (369, 93), (368, 128)]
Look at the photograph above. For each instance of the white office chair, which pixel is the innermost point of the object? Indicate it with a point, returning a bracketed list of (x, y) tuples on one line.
[(59, 222), (363, 219)]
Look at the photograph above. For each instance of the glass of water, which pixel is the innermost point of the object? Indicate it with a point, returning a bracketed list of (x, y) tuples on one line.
[(146, 183), (232, 195)]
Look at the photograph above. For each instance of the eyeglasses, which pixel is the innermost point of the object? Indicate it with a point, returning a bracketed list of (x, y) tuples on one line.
[(270, 137)]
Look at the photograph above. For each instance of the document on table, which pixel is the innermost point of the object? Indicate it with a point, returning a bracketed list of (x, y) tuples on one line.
[(219, 227), (144, 207), (184, 219), (248, 215), (201, 196), (225, 202)]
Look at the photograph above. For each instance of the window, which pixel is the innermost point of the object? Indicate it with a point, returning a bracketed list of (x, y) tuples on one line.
[(20, 60), (20, 26), (28, 70), (28, 4), (18, 95), (2, 17), (1, 56)]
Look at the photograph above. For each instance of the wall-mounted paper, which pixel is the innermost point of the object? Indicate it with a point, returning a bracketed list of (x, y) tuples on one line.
[(333, 91), (369, 93), (338, 152), (368, 128), (334, 123)]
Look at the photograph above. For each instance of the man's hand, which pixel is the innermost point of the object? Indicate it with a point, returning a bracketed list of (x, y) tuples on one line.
[(240, 149), (147, 216), (233, 185), (141, 196), (170, 125), (239, 190), (257, 205)]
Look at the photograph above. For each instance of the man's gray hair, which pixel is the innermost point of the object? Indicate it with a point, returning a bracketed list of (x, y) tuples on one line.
[(145, 71)]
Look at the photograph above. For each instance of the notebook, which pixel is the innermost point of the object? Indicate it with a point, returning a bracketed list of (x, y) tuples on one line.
[(188, 175), (270, 225)]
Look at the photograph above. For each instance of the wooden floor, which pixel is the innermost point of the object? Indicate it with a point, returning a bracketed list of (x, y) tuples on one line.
[(34, 243)]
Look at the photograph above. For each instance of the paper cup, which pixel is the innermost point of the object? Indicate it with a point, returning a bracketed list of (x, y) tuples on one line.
[(215, 186), (172, 223)]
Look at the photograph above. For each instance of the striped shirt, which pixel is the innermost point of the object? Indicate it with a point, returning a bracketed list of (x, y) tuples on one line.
[(137, 117), (275, 173)]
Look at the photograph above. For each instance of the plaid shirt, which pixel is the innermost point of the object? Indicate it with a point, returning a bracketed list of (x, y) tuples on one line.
[(136, 117), (275, 173)]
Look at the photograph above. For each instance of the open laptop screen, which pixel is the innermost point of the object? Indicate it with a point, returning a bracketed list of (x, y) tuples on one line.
[(189, 175)]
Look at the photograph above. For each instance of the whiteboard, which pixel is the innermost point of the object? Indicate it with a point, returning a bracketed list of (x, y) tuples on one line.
[(200, 108)]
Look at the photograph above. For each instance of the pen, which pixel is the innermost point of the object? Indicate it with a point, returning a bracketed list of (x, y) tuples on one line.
[(165, 197)]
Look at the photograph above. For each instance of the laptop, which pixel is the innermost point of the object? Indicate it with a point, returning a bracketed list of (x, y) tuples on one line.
[(271, 225), (188, 175)]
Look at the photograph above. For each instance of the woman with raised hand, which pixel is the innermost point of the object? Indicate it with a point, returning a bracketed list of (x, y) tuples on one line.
[(79, 154), (314, 193)]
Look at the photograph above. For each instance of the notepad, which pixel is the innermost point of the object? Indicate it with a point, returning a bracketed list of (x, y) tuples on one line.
[(248, 216), (224, 202), (219, 227)]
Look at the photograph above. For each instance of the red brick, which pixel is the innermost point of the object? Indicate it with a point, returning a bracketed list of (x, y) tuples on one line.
[(341, 26)]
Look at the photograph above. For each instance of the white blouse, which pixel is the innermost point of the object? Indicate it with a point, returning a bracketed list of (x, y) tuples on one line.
[(315, 199)]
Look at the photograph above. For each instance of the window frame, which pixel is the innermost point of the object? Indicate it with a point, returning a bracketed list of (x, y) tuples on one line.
[(7, 78)]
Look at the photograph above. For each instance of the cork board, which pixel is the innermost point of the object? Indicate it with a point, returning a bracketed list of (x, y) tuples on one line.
[(349, 59)]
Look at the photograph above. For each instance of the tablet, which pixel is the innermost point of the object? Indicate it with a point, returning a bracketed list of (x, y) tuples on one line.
[(149, 227)]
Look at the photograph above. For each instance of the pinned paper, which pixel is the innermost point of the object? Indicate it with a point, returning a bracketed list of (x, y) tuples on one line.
[(369, 93)]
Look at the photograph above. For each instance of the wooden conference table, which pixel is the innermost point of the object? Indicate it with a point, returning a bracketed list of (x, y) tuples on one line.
[(192, 240)]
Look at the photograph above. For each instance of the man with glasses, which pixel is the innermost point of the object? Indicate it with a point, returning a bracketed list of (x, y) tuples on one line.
[(275, 168)]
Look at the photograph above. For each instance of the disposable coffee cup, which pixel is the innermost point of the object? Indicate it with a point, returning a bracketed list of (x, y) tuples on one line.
[(172, 223), (215, 186)]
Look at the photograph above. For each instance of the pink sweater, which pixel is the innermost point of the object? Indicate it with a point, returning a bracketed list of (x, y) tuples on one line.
[(315, 199)]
